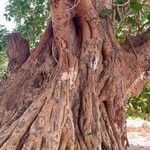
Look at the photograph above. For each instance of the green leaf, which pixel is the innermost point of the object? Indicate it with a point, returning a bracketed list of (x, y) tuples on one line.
[(41, 1), (105, 12), (148, 17), (120, 1), (132, 20), (135, 6)]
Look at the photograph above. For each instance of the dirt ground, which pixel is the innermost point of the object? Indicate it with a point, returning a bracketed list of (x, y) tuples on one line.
[(139, 140), (138, 134), (132, 147)]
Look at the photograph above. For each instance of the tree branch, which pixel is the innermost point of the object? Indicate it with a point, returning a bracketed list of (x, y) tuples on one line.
[(139, 69), (137, 40)]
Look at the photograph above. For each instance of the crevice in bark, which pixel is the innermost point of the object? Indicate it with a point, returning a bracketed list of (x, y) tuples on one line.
[(43, 142), (24, 137), (79, 114), (23, 140), (39, 80), (7, 136), (113, 143), (15, 135), (18, 113), (76, 22)]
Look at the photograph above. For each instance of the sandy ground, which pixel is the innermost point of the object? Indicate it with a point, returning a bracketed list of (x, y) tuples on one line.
[(133, 147), (139, 140), (139, 134)]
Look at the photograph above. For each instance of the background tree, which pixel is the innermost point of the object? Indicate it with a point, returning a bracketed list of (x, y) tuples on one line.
[(30, 17), (139, 106), (70, 93), (3, 56)]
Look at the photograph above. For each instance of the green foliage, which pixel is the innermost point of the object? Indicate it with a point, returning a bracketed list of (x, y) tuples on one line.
[(30, 17), (148, 17), (3, 57), (132, 18), (139, 106), (3, 32), (135, 5), (3, 63), (120, 1)]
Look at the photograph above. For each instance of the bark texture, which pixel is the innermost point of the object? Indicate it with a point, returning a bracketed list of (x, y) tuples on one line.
[(18, 51), (71, 92)]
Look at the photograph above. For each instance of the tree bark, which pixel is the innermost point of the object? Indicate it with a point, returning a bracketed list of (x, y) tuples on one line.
[(71, 92), (18, 51)]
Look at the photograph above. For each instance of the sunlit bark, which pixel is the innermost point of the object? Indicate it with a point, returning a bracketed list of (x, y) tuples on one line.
[(71, 92)]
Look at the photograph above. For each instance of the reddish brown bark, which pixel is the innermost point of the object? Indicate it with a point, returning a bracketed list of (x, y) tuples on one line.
[(18, 51), (71, 92)]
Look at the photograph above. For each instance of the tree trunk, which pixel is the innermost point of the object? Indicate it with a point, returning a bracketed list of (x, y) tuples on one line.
[(71, 92)]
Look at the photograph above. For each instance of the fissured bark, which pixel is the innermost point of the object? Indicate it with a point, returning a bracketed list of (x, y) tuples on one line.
[(71, 92)]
